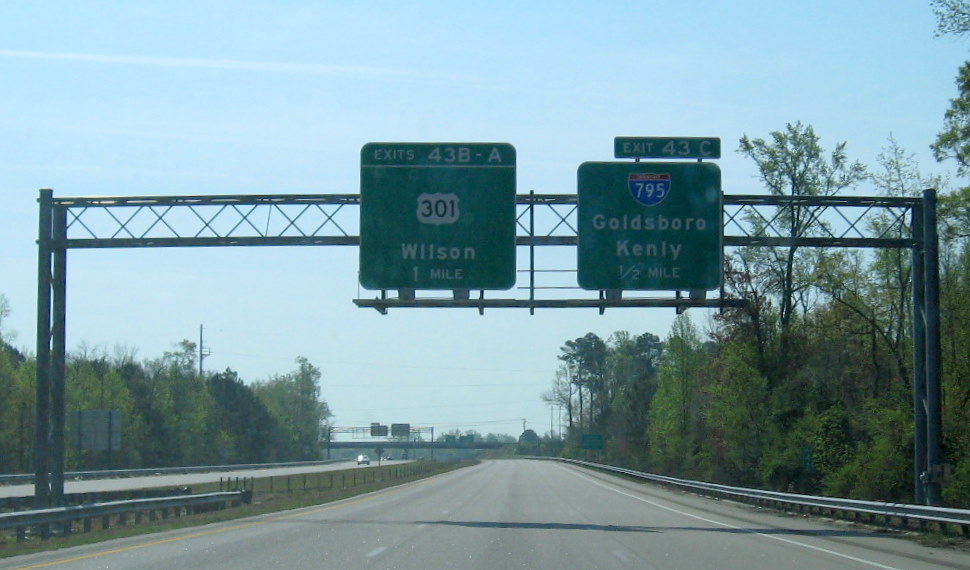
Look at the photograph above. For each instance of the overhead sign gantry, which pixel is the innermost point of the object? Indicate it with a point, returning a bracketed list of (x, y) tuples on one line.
[(314, 220)]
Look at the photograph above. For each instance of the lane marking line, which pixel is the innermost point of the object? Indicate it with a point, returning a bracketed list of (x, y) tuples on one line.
[(270, 518), (731, 526), (375, 552)]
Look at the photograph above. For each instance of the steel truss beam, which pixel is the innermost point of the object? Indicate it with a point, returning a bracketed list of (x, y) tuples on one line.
[(331, 219)]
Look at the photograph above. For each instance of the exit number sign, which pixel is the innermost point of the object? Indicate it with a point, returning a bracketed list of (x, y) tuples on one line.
[(437, 216), (667, 147)]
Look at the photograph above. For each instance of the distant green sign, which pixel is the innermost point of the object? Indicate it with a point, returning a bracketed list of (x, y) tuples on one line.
[(437, 216), (649, 226), (592, 441), (667, 147)]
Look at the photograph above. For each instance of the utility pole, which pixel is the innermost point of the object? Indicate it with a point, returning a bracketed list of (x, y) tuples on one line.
[(202, 352)]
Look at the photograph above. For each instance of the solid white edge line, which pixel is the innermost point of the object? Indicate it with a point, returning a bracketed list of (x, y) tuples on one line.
[(731, 526)]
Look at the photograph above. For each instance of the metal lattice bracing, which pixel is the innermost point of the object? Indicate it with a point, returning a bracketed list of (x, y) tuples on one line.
[(542, 219), (821, 221), (198, 221)]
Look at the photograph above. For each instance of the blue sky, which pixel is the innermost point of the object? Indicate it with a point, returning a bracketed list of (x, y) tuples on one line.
[(274, 97)]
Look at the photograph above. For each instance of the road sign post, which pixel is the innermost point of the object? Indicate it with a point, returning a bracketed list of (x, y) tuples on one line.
[(437, 216), (653, 226)]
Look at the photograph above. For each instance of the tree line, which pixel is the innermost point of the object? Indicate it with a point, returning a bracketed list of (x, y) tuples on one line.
[(170, 414), (808, 387)]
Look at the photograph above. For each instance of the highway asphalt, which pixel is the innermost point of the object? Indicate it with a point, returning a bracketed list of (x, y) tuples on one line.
[(514, 514)]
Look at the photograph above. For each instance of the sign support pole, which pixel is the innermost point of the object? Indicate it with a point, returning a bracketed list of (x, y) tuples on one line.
[(58, 371), (42, 452), (934, 424), (532, 256), (919, 359)]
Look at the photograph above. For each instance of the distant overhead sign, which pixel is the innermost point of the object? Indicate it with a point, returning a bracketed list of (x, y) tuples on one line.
[(667, 147), (437, 216), (649, 226), (400, 430)]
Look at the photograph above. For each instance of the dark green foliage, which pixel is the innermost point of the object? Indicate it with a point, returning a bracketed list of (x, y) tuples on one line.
[(832, 441), (736, 414), (248, 433), (632, 371), (293, 400), (585, 360), (171, 416), (954, 141), (16, 410), (957, 492), (952, 16), (809, 387)]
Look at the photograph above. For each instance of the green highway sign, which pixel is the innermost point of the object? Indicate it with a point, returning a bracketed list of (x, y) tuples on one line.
[(653, 226), (592, 441), (667, 147), (437, 216)]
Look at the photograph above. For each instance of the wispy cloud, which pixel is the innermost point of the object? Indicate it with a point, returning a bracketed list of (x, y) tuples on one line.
[(231, 64)]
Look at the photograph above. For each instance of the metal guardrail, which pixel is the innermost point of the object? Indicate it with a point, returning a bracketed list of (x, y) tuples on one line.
[(29, 477), (43, 518), (26, 502), (889, 512)]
